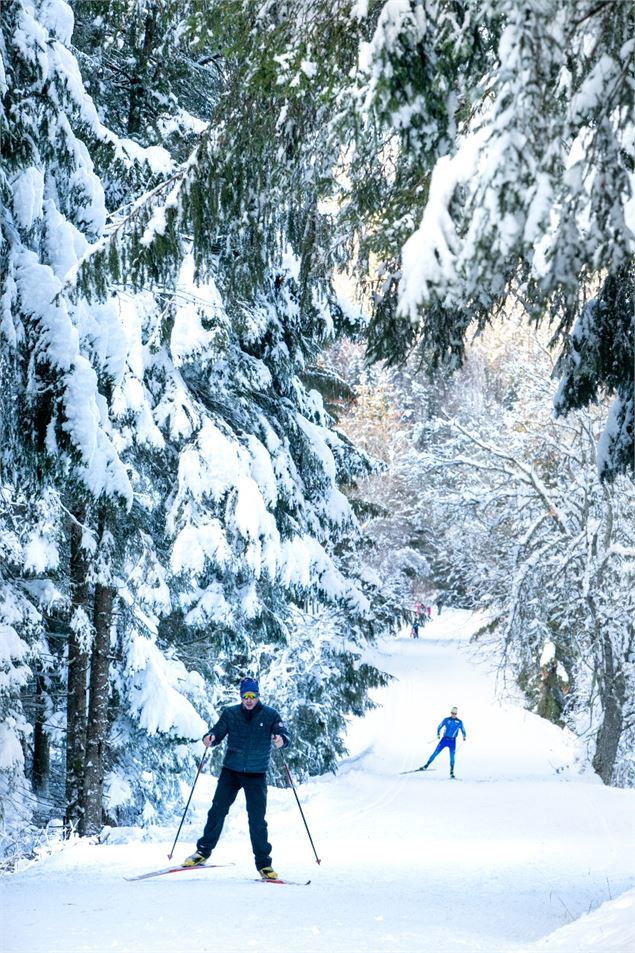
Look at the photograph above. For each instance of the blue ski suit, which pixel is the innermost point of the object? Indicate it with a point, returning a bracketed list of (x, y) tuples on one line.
[(451, 727)]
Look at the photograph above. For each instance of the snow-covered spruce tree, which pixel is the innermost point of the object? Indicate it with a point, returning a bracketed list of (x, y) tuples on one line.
[(502, 139), (212, 368), (153, 78), (29, 677), (52, 422), (64, 487), (599, 357)]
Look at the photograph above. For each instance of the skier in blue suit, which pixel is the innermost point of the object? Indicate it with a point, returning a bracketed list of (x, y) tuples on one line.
[(451, 727)]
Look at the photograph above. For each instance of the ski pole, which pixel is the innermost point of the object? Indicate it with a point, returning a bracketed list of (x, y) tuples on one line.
[(290, 779), (188, 803)]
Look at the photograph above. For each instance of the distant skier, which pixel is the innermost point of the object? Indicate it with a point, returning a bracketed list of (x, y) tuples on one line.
[(451, 727), (415, 629)]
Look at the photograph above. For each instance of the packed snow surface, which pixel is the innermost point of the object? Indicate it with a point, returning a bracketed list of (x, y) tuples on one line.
[(526, 851)]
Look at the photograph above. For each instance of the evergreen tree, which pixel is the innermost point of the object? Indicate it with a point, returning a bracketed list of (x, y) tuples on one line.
[(198, 516), (56, 439), (61, 471), (503, 138), (153, 78)]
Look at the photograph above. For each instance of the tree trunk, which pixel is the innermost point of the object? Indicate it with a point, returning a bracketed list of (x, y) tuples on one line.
[(139, 79), (612, 684), (41, 746), (97, 711), (78, 646)]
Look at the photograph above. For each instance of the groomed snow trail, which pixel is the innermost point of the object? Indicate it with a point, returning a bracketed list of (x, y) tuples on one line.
[(525, 841)]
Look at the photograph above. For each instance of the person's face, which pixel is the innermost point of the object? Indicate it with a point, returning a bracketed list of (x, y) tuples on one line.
[(249, 700), (454, 713)]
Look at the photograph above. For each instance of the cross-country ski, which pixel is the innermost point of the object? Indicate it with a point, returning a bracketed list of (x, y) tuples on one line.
[(178, 868), (279, 880)]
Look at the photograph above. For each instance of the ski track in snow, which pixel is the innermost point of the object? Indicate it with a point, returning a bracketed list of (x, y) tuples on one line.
[(523, 844)]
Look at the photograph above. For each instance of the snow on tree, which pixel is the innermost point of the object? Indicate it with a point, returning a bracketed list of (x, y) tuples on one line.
[(215, 416), (379, 419), (239, 467)]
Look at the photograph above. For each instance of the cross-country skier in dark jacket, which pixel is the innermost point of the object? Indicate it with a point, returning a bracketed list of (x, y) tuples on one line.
[(450, 727), (251, 728)]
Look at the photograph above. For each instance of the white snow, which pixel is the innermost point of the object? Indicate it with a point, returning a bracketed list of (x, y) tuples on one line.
[(153, 697), (28, 195), (525, 852), (194, 545), (40, 553), (548, 653), (609, 929), (10, 749)]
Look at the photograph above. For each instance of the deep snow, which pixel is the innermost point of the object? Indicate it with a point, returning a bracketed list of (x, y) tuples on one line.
[(525, 841)]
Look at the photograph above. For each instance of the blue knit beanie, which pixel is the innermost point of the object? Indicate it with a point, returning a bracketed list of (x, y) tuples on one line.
[(249, 685)]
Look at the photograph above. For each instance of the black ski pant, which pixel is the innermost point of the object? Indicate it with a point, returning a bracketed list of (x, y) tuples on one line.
[(255, 788)]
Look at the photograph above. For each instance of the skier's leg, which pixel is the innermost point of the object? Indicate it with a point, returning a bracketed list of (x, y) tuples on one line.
[(226, 790), (452, 747), (256, 797), (438, 748)]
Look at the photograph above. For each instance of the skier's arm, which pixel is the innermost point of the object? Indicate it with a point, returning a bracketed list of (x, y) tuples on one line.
[(463, 730), (217, 732), (442, 725), (279, 733)]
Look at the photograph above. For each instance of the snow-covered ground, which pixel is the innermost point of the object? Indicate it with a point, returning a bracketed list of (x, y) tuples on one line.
[(525, 851)]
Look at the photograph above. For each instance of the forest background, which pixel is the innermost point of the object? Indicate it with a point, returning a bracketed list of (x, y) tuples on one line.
[(310, 312)]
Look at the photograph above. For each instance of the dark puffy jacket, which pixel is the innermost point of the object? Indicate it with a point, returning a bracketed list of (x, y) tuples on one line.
[(248, 736)]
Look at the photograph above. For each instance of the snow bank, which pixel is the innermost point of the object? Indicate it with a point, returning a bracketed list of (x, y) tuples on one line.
[(609, 929)]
